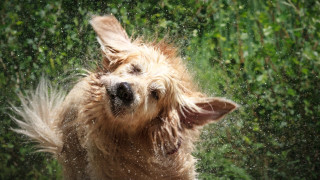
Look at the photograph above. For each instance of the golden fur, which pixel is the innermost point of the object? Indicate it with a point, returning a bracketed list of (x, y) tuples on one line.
[(137, 117)]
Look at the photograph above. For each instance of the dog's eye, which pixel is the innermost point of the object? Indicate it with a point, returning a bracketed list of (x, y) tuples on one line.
[(155, 94), (135, 69)]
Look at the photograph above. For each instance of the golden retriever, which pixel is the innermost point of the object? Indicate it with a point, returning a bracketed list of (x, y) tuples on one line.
[(136, 117)]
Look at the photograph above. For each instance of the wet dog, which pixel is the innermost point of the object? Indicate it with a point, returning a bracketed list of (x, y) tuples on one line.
[(137, 117)]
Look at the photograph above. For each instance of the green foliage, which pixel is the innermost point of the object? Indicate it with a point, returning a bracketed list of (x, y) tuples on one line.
[(262, 54)]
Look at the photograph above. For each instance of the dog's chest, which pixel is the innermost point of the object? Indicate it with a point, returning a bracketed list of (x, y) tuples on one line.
[(129, 161)]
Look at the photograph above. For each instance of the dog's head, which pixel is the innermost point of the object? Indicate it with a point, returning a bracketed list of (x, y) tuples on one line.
[(144, 82)]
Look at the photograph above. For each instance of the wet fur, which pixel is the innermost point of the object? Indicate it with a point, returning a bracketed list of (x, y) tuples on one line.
[(150, 139)]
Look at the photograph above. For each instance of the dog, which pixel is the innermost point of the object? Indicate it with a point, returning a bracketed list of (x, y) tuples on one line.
[(136, 117)]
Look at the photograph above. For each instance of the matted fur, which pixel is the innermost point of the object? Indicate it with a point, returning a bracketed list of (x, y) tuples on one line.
[(137, 117)]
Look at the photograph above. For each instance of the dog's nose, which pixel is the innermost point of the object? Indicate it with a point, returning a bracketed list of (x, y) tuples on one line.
[(124, 92)]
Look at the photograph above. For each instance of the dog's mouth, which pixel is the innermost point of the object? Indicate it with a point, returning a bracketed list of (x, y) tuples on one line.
[(121, 97)]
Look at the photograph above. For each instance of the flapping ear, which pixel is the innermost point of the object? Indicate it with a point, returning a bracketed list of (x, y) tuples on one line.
[(111, 36), (205, 111)]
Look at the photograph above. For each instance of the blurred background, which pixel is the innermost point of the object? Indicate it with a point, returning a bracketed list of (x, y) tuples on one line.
[(264, 55)]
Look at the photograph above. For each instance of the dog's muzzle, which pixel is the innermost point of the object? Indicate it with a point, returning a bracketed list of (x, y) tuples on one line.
[(121, 97), (124, 93)]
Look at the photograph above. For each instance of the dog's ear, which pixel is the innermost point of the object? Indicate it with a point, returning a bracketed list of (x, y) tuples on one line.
[(205, 111), (111, 36)]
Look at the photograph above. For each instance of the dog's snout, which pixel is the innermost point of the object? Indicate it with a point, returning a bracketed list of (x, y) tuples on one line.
[(125, 93)]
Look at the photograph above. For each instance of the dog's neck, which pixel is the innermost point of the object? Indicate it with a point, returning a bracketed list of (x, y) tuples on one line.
[(153, 140)]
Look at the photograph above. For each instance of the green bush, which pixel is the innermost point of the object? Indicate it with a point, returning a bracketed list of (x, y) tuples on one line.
[(262, 54)]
